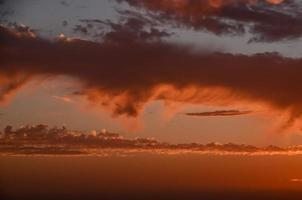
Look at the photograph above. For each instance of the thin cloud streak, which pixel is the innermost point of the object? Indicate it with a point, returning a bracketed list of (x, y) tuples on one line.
[(219, 113), (63, 98)]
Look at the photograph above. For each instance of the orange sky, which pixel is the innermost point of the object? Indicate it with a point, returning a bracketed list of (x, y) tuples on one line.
[(140, 99), (139, 76)]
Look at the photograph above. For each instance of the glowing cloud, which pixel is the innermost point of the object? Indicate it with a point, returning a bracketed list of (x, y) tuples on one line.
[(124, 75)]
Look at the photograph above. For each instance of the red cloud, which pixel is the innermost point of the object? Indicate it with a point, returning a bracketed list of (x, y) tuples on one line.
[(124, 76)]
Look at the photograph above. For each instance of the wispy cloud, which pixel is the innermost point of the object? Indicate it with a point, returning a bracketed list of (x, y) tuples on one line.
[(219, 113), (63, 98), (296, 180)]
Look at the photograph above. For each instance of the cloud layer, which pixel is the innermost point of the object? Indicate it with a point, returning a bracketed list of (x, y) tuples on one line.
[(124, 75), (43, 140), (270, 20)]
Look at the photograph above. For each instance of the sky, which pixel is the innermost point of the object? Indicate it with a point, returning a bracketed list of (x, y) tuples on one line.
[(180, 71), (141, 99)]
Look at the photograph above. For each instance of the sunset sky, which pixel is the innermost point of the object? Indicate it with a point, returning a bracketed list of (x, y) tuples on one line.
[(146, 98), (139, 67)]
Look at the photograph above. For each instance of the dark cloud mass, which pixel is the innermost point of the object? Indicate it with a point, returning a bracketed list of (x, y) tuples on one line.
[(270, 20), (126, 74), (131, 26), (219, 113)]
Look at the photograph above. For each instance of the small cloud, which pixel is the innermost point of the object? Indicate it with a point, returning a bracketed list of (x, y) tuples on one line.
[(220, 113), (63, 98), (80, 29), (66, 3), (296, 180), (64, 23)]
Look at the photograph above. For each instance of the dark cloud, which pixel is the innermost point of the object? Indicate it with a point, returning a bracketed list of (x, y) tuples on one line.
[(37, 150), (44, 135), (64, 23), (124, 72), (267, 20), (219, 113), (129, 27), (40, 139), (132, 29), (66, 3), (5, 12), (80, 29)]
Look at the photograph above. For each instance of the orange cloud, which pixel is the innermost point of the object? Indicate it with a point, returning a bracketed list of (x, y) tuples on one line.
[(43, 140), (10, 83), (275, 1), (63, 98), (124, 75)]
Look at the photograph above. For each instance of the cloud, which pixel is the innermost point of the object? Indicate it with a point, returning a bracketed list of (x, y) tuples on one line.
[(271, 20), (81, 29), (66, 3), (296, 180), (10, 83), (42, 134), (220, 113), (63, 98), (125, 74), (65, 23), (131, 26), (43, 140)]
